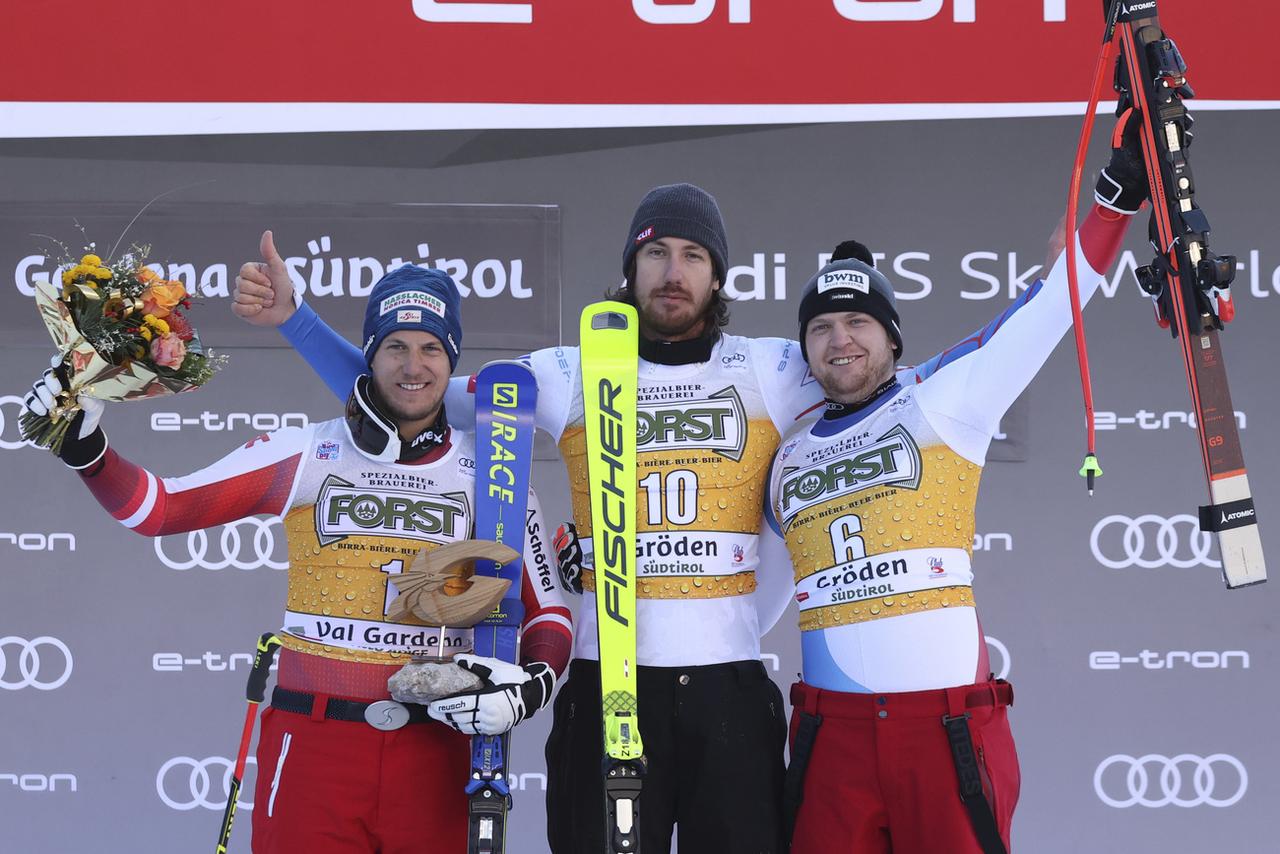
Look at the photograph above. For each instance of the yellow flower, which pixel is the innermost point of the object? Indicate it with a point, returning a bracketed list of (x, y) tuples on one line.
[(101, 273), (91, 261), (161, 327), (68, 276), (145, 332)]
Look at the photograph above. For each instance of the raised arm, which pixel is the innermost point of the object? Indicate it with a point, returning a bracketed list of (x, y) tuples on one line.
[(265, 296)]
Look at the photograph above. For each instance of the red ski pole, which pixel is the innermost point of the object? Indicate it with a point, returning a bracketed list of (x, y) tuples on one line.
[(254, 692)]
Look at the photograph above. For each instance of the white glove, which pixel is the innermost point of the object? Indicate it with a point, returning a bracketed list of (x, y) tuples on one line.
[(512, 693), (41, 399)]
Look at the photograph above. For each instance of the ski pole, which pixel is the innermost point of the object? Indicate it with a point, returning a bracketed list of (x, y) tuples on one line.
[(254, 692)]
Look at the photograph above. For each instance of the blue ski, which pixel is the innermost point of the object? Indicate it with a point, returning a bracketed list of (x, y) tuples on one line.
[(506, 393)]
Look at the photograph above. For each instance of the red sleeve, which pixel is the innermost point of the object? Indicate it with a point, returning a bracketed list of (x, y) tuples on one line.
[(254, 479)]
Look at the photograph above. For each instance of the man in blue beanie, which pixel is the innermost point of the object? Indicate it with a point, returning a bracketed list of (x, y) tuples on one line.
[(342, 768)]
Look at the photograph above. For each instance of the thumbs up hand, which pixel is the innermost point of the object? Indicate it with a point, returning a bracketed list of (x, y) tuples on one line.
[(264, 294)]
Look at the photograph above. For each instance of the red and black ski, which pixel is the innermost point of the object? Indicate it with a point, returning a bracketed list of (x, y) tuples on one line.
[(1189, 284)]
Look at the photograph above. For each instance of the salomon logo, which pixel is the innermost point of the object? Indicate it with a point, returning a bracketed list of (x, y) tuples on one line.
[(613, 551)]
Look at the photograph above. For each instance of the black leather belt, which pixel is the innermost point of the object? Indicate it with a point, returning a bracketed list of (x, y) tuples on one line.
[(380, 714)]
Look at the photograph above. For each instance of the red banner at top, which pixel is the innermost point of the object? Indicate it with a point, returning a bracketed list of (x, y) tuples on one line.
[(570, 53)]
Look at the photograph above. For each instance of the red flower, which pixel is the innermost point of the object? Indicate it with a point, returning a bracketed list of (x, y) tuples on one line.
[(179, 326)]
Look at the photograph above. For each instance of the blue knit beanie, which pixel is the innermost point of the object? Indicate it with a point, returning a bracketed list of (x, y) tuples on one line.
[(413, 298)]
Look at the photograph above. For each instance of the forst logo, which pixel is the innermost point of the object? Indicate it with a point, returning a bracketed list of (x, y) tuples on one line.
[(343, 510), (716, 423), (893, 458)]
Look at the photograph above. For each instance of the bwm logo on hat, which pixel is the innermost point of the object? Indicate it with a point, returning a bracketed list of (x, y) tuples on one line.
[(844, 279), (412, 299), (644, 235)]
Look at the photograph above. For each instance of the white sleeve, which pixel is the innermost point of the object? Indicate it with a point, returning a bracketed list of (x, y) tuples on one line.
[(789, 390), (965, 390), (558, 371), (775, 578)]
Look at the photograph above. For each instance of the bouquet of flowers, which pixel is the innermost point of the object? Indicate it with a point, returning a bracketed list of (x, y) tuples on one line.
[(123, 336)]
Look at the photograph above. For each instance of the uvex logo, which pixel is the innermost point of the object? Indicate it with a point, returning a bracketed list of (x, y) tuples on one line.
[(614, 512), (893, 458), (343, 509), (716, 423)]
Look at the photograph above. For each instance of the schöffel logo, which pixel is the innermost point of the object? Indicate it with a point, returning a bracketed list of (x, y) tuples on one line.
[(849, 279), (1151, 542), (343, 510), (716, 423), (893, 458)]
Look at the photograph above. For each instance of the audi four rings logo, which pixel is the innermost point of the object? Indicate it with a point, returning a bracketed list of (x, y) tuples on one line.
[(10, 409), (196, 775), (1185, 780), (246, 544), (1150, 542), (43, 663)]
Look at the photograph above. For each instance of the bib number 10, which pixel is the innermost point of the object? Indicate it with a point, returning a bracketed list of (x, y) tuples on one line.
[(676, 500)]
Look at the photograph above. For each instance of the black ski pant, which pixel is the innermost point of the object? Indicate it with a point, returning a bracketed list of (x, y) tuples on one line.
[(713, 736)]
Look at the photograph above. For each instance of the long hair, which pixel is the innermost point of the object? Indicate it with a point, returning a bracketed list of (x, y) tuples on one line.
[(717, 312)]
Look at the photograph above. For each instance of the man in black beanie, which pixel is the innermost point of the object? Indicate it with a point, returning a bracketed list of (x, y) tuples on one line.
[(876, 501)]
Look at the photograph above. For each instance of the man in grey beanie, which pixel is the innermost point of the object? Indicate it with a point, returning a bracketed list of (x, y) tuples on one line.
[(713, 406)]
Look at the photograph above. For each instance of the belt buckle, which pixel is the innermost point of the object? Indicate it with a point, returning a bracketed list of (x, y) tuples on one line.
[(386, 715)]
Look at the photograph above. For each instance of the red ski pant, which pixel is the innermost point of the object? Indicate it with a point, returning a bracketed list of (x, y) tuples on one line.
[(340, 787), (881, 777)]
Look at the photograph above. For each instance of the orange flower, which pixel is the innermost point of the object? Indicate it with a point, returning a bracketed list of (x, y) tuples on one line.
[(161, 297), (146, 275)]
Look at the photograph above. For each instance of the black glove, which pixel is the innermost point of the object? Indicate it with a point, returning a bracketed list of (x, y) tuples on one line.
[(569, 557), (84, 443), (1122, 185), (511, 693)]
